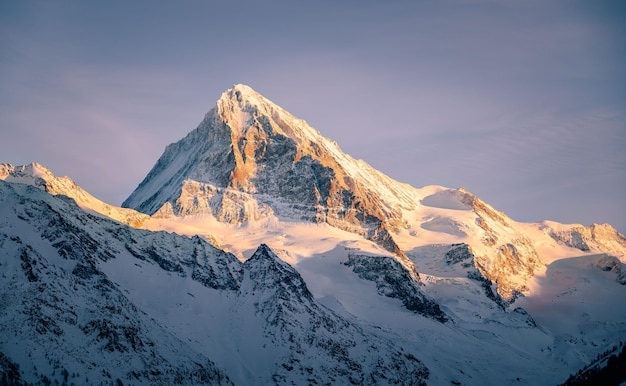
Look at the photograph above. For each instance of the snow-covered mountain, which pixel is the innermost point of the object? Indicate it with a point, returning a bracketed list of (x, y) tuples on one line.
[(250, 160), (62, 317), (96, 301), (266, 255)]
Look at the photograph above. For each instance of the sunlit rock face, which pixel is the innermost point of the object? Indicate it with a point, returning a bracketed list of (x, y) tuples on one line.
[(596, 238), (506, 256), (250, 159)]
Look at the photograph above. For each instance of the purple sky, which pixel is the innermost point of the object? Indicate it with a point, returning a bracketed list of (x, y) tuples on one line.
[(522, 103)]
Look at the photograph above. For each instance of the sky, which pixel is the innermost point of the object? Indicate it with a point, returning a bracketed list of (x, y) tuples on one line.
[(522, 103)]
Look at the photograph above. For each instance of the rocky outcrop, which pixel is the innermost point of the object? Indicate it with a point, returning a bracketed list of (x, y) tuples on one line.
[(513, 264), (612, 264), (459, 253), (395, 281), (504, 256), (596, 238)]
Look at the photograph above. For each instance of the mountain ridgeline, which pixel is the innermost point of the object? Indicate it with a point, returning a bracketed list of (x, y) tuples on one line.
[(249, 159), (63, 308), (257, 252)]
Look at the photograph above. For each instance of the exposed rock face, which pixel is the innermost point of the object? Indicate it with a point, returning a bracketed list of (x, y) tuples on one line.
[(514, 263), (597, 237), (506, 257), (395, 281), (612, 264), (249, 159), (459, 253), (572, 238)]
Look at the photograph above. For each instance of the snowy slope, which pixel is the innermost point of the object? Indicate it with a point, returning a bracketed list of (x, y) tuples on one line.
[(41, 177), (103, 301), (487, 340), (62, 317), (484, 341)]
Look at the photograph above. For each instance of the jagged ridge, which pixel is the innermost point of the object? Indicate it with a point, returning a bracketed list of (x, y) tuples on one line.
[(69, 300)]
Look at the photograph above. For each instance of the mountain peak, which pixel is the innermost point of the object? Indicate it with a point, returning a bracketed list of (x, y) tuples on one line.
[(242, 95), (32, 169), (250, 159), (241, 91), (252, 118), (265, 256), (39, 176), (264, 252)]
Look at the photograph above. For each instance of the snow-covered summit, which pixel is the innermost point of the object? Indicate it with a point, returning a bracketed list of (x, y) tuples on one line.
[(250, 159), (240, 106)]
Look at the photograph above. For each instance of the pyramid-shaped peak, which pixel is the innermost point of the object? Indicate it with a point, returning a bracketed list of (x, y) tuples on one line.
[(242, 108), (263, 248), (249, 159), (264, 252), (242, 95)]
